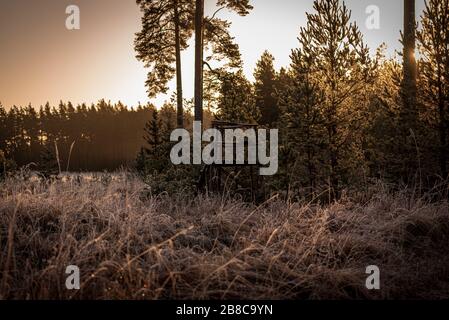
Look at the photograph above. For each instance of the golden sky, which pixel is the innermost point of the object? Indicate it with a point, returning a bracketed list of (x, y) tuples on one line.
[(40, 60)]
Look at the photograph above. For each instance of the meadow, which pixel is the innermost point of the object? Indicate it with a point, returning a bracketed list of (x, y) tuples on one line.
[(132, 244)]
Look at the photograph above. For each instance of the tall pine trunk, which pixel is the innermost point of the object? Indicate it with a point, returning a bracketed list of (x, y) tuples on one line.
[(179, 94), (408, 117), (442, 128), (410, 71), (199, 16)]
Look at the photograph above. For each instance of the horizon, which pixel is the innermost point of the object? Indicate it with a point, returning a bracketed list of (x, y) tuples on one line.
[(53, 64)]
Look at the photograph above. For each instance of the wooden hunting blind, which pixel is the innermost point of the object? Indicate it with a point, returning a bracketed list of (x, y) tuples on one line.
[(242, 178)]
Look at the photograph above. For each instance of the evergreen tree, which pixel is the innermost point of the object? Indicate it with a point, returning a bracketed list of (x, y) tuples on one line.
[(433, 40), (2, 163), (31, 126), (166, 28), (153, 134), (381, 145), (48, 163), (154, 155), (408, 89), (167, 25), (265, 89), (303, 132), (236, 99), (342, 68), (3, 127)]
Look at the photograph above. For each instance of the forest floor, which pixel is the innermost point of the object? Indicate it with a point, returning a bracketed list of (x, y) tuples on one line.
[(131, 245)]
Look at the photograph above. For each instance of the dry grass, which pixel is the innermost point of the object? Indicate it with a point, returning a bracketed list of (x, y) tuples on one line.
[(131, 246)]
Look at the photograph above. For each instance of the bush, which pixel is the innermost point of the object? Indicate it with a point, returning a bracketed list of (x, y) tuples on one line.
[(6, 165), (173, 180)]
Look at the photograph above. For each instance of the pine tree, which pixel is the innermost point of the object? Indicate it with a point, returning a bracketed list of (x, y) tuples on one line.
[(168, 118), (409, 112), (48, 163), (433, 40), (342, 68), (3, 128), (236, 99), (381, 145), (141, 161), (153, 134), (167, 26), (214, 32), (2, 164), (303, 129), (408, 124), (31, 126), (154, 156), (265, 90)]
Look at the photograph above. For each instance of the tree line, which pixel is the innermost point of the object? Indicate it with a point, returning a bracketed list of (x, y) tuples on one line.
[(101, 136)]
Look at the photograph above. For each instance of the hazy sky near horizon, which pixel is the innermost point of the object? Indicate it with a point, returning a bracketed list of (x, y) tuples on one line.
[(40, 60)]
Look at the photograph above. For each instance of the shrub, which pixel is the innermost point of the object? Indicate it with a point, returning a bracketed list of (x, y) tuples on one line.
[(6, 165)]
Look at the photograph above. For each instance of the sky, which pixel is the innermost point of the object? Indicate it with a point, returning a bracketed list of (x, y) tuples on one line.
[(41, 60)]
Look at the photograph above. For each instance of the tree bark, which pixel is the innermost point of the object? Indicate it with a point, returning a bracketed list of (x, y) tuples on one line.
[(408, 113), (409, 63), (442, 129), (179, 93), (199, 32)]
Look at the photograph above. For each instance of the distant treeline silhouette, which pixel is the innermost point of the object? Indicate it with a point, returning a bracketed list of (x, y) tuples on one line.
[(105, 136)]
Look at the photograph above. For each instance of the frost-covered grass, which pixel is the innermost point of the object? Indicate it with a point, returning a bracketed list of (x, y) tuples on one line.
[(129, 244)]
